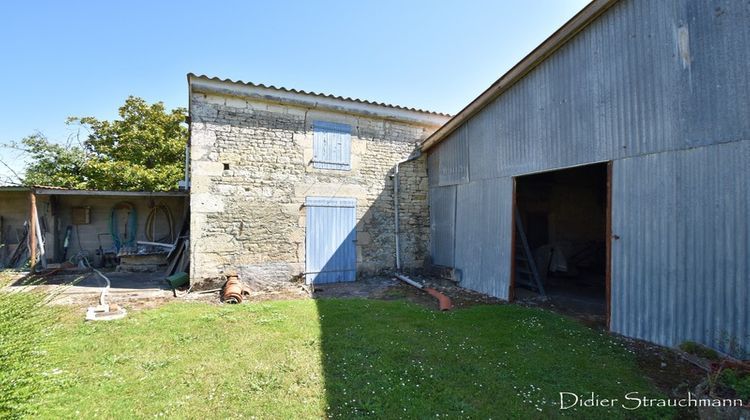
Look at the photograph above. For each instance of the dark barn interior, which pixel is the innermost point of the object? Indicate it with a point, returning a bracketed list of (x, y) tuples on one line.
[(563, 217)]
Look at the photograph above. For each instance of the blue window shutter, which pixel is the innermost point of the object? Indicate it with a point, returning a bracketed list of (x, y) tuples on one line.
[(332, 145)]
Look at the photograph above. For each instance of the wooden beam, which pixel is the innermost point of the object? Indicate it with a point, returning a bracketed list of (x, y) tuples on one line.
[(608, 243), (512, 285), (32, 230)]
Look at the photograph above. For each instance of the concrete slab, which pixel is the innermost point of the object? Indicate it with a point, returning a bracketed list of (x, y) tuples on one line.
[(83, 287)]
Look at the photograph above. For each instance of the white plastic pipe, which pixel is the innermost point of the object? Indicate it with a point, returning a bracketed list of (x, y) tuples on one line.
[(409, 281)]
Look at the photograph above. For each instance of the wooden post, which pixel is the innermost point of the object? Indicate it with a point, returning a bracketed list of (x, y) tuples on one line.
[(32, 230), (512, 283), (608, 243)]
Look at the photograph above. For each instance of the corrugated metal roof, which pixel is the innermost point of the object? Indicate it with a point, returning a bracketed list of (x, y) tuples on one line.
[(14, 188), (322, 95), (49, 190)]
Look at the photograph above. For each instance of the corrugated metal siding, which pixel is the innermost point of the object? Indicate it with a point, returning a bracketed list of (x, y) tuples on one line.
[(442, 224), (644, 266), (647, 77), (623, 87), (483, 218), (433, 168), (331, 145), (450, 161), (680, 270), (330, 255)]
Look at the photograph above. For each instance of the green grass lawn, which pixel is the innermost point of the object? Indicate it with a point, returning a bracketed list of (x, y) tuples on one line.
[(335, 358)]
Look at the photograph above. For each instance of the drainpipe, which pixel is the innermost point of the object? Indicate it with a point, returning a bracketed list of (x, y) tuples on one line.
[(416, 154), (187, 166)]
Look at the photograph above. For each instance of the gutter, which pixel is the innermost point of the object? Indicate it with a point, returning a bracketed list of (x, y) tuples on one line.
[(567, 32)]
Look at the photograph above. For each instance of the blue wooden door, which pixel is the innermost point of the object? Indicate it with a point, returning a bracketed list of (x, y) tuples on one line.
[(330, 240)]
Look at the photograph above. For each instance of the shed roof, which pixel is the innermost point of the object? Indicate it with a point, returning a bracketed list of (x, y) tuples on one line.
[(49, 190), (569, 30), (40, 190)]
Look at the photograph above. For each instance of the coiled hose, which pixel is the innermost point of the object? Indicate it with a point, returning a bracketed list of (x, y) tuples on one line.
[(151, 223)]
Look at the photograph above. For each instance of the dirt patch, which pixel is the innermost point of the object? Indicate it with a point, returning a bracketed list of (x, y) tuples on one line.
[(368, 287), (666, 368), (389, 288), (591, 320), (460, 297), (669, 371)]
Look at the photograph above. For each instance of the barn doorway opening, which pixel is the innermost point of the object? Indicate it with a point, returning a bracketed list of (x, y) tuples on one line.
[(561, 240)]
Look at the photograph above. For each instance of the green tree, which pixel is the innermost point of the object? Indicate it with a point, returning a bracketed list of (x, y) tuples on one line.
[(53, 164), (142, 150)]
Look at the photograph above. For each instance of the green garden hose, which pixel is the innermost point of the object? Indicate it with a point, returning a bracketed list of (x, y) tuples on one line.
[(131, 226)]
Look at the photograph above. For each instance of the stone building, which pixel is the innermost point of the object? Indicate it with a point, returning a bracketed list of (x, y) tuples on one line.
[(288, 184)]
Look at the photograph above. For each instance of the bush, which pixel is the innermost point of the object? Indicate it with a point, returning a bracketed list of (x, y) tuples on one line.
[(739, 382), (699, 350), (25, 322)]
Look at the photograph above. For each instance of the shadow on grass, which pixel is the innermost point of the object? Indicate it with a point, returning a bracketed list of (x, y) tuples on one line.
[(397, 359)]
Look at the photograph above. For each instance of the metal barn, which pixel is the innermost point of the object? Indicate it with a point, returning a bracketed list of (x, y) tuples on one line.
[(627, 131)]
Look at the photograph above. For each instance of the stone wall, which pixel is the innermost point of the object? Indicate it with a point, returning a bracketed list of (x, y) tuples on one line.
[(251, 171), (414, 215), (14, 210)]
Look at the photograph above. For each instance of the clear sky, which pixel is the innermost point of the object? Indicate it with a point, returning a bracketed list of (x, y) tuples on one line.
[(76, 58)]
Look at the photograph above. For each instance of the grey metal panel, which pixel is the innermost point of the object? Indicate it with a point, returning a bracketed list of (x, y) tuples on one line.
[(452, 159), (433, 168), (714, 193), (330, 253), (483, 235), (332, 145), (644, 268), (646, 77), (442, 224), (680, 270), (482, 145)]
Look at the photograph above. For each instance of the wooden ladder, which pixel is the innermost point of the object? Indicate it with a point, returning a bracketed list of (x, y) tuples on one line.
[(527, 274)]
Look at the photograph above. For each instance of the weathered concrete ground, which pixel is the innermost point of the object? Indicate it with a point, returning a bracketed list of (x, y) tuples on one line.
[(83, 287)]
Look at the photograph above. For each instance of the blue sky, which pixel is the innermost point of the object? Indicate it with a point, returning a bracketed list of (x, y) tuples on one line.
[(78, 58)]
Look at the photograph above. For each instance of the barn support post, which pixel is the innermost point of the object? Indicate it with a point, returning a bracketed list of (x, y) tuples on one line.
[(32, 230)]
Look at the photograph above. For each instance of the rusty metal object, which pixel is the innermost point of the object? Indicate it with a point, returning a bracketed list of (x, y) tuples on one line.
[(444, 302), (234, 290)]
